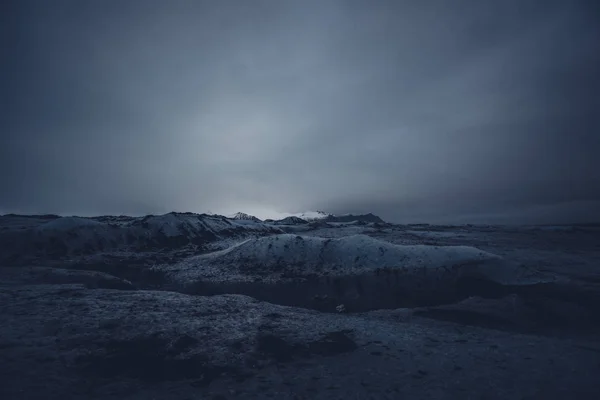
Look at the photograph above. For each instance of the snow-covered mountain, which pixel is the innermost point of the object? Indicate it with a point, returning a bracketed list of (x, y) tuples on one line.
[(290, 221), (25, 237), (312, 215), (240, 216)]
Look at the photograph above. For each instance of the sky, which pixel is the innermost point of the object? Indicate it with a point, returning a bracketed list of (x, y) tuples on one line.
[(417, 111)]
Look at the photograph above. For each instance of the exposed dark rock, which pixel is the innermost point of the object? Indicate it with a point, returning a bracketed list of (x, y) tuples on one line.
[(333, 343), (350, 218), (151, 359), (291, 221), (66, 341)]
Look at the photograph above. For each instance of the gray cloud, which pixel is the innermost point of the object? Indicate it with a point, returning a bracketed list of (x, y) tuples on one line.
[(431, 110)]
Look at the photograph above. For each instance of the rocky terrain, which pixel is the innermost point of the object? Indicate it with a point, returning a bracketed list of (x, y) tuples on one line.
[(189, 306), (25, 239)]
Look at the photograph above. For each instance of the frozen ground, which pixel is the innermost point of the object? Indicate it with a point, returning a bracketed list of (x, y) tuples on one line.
[(108, 322)]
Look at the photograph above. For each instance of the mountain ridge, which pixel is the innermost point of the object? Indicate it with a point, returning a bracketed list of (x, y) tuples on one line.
[(370, 217), (241, 216)]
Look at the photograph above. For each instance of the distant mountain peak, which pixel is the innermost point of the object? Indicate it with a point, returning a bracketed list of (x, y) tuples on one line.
[(370, 217), (292, 220), (240, 216), (312, 215)]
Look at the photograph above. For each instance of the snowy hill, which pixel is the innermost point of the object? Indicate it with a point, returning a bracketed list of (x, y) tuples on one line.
[(71, 236), (311, 215), (359, 271), (290, 221), (314, 216), (347, 255)]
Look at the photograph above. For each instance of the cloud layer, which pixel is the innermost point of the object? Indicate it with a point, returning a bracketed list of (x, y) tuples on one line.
[(415, 111)]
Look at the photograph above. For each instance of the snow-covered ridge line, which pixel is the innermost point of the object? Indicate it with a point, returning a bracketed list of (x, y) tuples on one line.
[(240, 216), (356, 250), (355, 254), (360, 272), (67, 236), (311, 215)]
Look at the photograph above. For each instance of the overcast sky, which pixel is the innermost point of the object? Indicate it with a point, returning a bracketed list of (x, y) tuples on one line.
[(414, 110)]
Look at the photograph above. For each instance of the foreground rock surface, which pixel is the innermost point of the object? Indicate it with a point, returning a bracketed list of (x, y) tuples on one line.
[(65, 341), (65, 336)]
